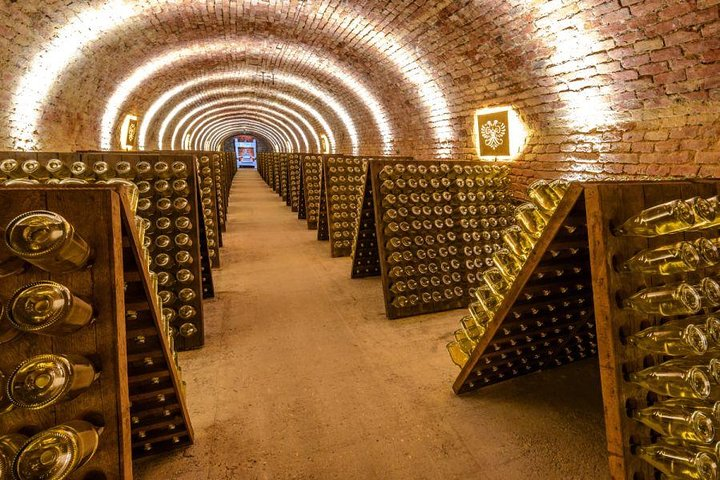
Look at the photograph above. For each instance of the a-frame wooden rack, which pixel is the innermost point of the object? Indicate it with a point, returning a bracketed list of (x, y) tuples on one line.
[(563, 306), (139, 394)]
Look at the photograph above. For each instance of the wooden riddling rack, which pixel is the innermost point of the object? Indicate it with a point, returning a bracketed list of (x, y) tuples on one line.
[(312, 168), (196, 340), (302, 204), (526, 336), (471, 256), (365, 257), (209, 206), (294, 182), (343, 181), (127, 394)]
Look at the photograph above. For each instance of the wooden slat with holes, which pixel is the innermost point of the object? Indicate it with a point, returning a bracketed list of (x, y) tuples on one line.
[(110, 232), (468, 276)]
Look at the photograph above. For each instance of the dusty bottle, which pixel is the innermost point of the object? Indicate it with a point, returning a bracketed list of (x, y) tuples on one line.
[(663, 219), (57, 452), (472, 329), (678, 462), (496, 281), (56, 168), (48, 241), (45, 380), (124, 170), (10, 169)]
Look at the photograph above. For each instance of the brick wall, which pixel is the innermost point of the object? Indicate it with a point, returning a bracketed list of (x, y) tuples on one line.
[(606, 87)]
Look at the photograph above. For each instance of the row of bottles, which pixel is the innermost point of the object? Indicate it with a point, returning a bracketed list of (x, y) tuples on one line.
[(47, 241), (312, 172), (294, 174), (518, 242), (218, 163), (58, 171), (346, 179), (686, 419), (208, 206)]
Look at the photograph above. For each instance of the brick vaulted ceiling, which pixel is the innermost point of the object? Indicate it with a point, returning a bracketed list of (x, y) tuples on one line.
[(604, 86)]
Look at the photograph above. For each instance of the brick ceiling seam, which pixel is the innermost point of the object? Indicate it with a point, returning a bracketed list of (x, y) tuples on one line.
[(212, 107), (294, 130)]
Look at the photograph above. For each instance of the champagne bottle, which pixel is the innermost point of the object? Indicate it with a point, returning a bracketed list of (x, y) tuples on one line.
[(667, 260), (518, 241), (678, 462), (665, 300), (162, 170), (10, 445), (10, 169), (708, 251), (45, 380), (57, 452), (188, 329), (663, 219), (508, 263), (457, 353), (124, 170), (529, 217), (703, 211), (48, 241), (496, 281), (48, 308), (101, 170), (33, 170), (179, 170), (472, 329), (81, 171), (5, 403), (672, 339), (695, 427), (543, 196), (143, 171), (56, 168), (674, 381)]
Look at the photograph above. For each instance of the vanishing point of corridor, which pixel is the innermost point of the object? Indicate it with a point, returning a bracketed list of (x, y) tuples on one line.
[(303, 377)]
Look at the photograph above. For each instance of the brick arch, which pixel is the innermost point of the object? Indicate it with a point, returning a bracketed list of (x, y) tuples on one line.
[(298, 137), (606, 87), (205, 111)]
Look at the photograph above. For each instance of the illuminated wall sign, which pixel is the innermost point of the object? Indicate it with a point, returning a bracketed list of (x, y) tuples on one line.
[(499, 133), (325, 143), (128, 132)]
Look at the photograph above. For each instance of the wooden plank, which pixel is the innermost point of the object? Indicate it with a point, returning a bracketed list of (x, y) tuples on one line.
[(473, 375)]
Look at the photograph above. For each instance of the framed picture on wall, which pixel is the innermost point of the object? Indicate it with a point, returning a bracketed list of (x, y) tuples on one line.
[(493, 130)]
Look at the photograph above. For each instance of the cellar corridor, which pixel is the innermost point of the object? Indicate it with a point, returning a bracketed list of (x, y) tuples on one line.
[(303, 377)]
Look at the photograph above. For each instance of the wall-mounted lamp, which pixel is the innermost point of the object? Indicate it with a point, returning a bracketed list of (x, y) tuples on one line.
[(325, 144), (128, 132), (500, 134)]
